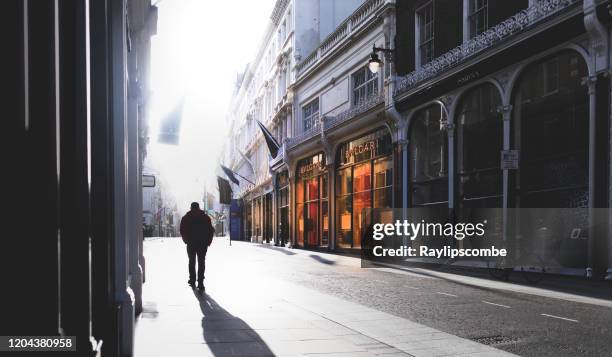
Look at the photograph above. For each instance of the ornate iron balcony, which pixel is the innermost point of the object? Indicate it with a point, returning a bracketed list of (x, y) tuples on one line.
[(521, 21)]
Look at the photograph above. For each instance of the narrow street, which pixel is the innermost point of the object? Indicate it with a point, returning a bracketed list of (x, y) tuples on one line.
[(263, 300)]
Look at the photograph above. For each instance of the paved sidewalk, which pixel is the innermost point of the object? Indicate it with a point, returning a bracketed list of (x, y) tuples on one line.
[(244, 313)]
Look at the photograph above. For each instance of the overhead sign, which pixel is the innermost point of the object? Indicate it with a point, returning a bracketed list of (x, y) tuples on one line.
[(148, 181), (509, 159)]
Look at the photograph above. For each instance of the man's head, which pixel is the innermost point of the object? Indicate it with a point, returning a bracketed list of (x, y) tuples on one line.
[(195, 206)]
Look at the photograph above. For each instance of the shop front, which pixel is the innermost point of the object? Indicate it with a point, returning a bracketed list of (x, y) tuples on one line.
[(312, 204), (282, 204), (364, 180), (539, 204)]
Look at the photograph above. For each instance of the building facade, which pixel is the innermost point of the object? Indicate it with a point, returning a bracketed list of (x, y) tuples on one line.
[(77, 114), (264, 93), (524, 78), (484, 109)]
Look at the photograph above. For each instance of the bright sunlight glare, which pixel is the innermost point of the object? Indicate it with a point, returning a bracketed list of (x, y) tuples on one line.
[(199, 49)]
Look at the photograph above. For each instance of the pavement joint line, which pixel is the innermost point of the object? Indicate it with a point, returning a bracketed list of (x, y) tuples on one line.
[(559, 317), (447, 294), (348, 328), (492, 303)]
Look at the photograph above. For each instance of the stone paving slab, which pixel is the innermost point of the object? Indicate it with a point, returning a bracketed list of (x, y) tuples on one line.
[(246, 314)]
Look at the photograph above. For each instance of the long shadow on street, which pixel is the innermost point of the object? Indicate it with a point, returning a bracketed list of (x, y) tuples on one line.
[(226, 334)]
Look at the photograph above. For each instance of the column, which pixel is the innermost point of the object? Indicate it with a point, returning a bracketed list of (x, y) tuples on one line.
[(134, 176), (331, 203), (591, 83), (253, 218), (466, 21), (123, 304), (274, 208), (291, 222), (450, 127), (609, 270), (506, 112), (289, 124), (403, 176)]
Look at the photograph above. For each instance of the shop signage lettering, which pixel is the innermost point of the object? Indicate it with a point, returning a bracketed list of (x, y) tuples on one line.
[(468, 77), (369, 146), (308, 169)]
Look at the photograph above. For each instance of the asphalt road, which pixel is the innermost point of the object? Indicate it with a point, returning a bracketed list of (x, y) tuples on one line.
[(524, 324)]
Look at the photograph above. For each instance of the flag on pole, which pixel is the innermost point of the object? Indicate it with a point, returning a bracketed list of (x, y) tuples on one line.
[(273, 145), (225, 191), (230, 175)]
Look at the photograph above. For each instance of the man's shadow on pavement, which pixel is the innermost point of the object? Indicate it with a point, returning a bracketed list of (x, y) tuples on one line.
[(226, 334)]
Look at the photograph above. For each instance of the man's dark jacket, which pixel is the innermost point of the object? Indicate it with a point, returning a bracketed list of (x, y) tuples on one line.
[(196, 228)]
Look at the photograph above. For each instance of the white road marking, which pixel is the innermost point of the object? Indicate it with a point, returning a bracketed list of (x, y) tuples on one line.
[(559, 317), (447, 294), (403, 272), (492, 303)]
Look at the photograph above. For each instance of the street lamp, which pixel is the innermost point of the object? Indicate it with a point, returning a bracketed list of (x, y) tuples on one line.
[(374, 63)]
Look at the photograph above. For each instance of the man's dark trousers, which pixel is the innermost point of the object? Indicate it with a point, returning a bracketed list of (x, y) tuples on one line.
[(199, 250)]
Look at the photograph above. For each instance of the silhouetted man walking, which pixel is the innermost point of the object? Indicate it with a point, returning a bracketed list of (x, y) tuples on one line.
[(197, 232)]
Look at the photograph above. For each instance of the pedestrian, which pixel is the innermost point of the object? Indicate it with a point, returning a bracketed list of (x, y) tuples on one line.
[(197, 233)]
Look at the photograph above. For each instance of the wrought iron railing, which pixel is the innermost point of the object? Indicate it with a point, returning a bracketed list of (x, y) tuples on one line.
[(328, 123), (361, 107), (303, 136), (523, 20)]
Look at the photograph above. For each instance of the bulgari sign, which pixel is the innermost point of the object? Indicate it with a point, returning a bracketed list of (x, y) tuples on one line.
[(368, 147), (311, 166)]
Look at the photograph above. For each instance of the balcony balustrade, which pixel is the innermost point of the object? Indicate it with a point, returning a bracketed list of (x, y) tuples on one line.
[(330, 122), (520, 22), (351, 25)]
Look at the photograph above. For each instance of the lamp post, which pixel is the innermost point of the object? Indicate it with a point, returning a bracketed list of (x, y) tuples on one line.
[(374, 63)]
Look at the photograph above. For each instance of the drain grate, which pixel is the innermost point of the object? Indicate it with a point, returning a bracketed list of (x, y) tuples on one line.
[(495, 340)]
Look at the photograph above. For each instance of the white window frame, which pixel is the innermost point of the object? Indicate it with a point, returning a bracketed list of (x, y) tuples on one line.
[(313, 117), (372, 82)]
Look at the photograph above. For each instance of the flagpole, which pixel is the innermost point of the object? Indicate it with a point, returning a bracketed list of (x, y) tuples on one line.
[(244, 178)]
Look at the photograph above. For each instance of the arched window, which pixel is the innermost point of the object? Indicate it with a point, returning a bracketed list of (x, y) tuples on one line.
[(428, 170), (479, 144), (550, 128)]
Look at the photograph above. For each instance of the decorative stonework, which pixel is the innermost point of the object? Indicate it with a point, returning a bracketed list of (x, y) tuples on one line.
[(279, 10), (447, 100), (505, 111), (504, 79), (523, 20)]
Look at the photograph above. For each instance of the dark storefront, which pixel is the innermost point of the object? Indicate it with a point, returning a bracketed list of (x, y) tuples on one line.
[(282, 204), (364, 179)]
